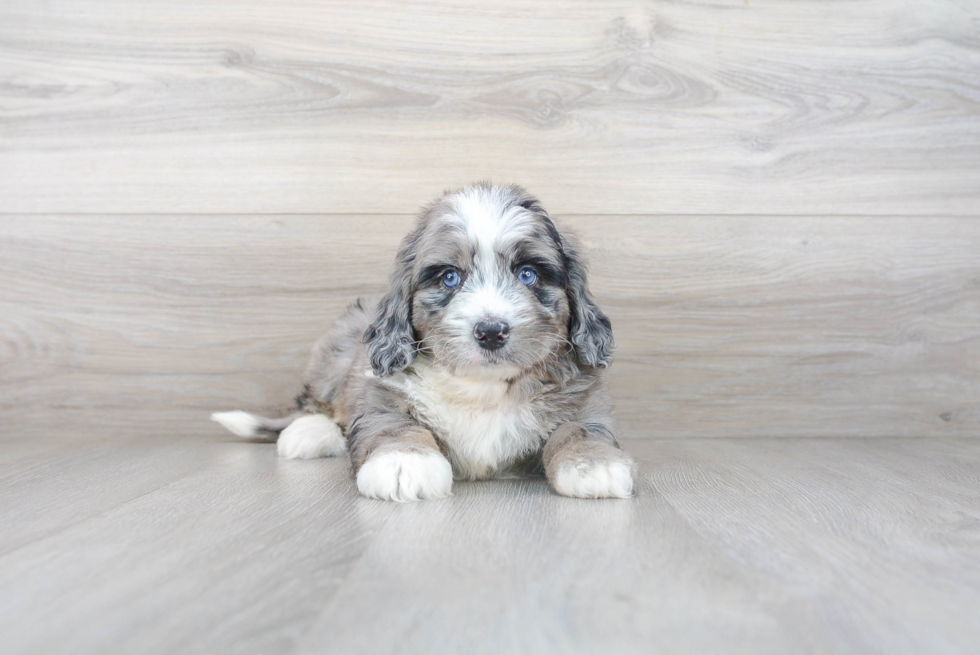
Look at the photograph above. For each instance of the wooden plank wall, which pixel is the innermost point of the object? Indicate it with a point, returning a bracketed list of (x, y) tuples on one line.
[(782, 199)]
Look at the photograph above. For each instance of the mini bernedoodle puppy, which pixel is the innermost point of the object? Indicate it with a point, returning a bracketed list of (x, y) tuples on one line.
[(486, 358)]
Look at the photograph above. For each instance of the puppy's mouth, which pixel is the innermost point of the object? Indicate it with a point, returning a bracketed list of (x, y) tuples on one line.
[(499, 357), (497, 364), (493, 357)]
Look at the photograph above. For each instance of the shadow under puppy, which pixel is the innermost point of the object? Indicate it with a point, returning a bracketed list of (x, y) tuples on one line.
[(486, 358)]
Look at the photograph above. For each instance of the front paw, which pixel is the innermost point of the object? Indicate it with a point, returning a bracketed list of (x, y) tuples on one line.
[(607, 473), (402, 475)]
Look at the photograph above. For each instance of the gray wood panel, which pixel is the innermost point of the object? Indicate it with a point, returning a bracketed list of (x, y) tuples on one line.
[(788, 107), (822, 546), (754, 546), (233, 555), (105, 472), (728, 326)]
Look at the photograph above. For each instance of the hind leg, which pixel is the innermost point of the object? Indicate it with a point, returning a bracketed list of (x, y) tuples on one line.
[(311, 436)]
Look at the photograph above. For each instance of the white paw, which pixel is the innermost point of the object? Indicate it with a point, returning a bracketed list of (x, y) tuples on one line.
[(598, 478), (401, 476), (311, 436)]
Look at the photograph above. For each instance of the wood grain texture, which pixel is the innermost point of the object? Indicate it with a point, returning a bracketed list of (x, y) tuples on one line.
[(785, 107), (823, 546), (727, 326), (236, 550), (731, 546), (781, 201)]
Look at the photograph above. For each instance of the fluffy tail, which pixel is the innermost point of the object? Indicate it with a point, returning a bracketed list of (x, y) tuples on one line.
[(254, 427)]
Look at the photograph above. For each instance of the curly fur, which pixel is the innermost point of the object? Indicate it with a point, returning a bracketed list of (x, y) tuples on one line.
[(416, 393)]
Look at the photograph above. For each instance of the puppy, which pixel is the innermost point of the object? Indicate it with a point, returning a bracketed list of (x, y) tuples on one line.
[(486, 358)]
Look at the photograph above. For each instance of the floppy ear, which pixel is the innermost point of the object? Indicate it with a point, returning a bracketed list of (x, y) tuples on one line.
[(588, 328), (390, 339)]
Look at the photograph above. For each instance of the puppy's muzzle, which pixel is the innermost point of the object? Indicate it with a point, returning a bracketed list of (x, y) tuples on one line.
[(491, 336)]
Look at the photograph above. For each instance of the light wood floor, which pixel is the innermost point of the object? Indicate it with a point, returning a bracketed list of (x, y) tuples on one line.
[(197, 543)]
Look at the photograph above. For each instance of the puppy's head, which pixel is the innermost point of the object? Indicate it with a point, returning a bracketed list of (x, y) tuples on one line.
[(486, 282)]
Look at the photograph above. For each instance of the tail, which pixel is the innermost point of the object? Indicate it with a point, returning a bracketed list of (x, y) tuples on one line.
[(254, 427)]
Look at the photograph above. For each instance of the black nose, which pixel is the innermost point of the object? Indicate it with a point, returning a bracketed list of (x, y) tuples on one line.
[(491, 335)]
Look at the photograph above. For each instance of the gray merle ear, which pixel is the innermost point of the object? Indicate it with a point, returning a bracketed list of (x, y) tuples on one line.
[(390, 339), (589, 329)]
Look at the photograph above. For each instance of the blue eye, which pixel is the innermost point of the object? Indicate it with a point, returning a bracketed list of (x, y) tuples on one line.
[(527, 276), (450, 278)]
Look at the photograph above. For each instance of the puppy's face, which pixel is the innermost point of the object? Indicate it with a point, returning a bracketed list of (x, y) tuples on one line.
[(487, 284)]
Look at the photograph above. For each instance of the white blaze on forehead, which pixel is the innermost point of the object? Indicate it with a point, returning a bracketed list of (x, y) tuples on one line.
[(490, 222), (488, 219)]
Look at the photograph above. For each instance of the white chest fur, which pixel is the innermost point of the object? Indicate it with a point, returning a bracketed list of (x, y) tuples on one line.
[(485, 426)]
